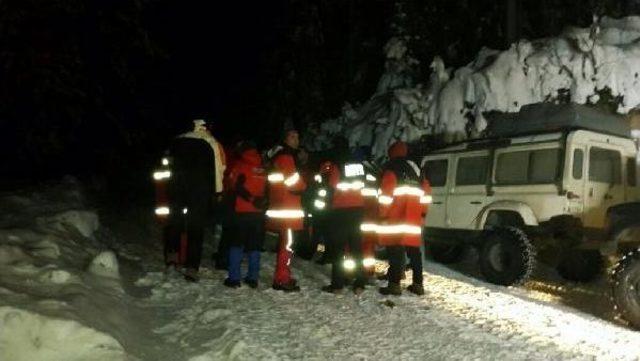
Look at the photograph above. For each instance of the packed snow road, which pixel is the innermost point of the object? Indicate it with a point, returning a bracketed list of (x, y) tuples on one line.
[(72, 291)]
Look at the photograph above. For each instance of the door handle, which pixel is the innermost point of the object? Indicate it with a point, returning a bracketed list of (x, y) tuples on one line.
[(475, 202), (590, 192), (438, 202), (608, 196)]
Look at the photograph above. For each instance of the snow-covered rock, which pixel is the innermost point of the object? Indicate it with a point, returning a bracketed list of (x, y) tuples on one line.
[(579, 66), (86, 222), (28, 336), (52, 307), (105, 264)]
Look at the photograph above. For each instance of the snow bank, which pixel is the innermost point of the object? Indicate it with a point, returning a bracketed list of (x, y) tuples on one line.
[(26, 336), (580, 65), (58, 298)]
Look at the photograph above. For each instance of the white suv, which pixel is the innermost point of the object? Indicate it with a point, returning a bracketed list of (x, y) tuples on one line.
[(517, 196)]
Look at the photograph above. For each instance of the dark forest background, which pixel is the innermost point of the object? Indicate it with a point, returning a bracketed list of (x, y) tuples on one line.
[(98, 87)]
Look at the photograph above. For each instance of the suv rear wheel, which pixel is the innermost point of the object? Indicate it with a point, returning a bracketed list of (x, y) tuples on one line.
[(507, 256), (625, 281)]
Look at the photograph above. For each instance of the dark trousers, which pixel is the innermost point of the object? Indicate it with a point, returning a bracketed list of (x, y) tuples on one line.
[(193, 223), (321, 228), (343, 232), (249, 231), (397, 263), (225, 215), (248, 239)]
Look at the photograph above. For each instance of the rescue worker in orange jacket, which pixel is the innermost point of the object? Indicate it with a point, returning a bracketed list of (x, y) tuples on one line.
[(249, 183), (404, 198), (370, 219), (345, 183), (285, 214)]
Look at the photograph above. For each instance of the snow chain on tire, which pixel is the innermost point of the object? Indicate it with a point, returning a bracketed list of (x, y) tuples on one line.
[(517, 244), (625, 280)]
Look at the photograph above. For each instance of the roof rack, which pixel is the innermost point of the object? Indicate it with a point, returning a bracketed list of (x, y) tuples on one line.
[(548, 118)]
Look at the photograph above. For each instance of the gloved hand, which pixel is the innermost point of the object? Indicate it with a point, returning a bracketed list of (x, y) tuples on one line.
[(260, 202)]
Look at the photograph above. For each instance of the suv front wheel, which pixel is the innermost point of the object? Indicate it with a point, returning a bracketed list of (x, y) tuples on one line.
[(625, 281), (507, 256)]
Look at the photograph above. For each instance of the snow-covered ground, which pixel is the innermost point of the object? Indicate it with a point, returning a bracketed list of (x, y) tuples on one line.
[(71, 289)]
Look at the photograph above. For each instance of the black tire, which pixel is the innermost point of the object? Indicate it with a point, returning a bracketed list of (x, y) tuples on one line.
[(625, 281), (446, 254), (581, 265), (507, 256)]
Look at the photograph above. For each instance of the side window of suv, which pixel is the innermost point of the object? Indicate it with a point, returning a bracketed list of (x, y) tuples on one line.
[(472, 171), (604, 166), (436, 172), (631, 172), (578, 159), (528, 167)]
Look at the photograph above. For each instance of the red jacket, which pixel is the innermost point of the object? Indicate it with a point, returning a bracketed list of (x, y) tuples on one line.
[(346, 194), (249, 181), (231, 160), (285, 188), (402, 209), (370, 217)]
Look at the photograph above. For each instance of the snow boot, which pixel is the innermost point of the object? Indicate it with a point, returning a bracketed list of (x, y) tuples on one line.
[(416, 289), (251, 283), (393, 289), (332, 289), (231, 283), (290, 286), (191, 275)]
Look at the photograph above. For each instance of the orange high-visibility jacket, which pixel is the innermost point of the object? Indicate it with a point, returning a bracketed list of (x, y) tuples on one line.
[(285, 188), (403, 205)]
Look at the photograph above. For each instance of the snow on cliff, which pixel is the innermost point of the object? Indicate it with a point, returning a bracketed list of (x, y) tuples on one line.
[(579, 65)]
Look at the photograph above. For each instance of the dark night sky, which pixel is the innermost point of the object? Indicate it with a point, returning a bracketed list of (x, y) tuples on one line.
[(218, 50), (100, 86)]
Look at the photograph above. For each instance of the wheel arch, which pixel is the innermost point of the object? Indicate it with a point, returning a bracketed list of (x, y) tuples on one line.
[(507, 210)]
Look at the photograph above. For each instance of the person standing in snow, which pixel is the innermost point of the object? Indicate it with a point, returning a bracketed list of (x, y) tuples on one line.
[(196, 181), (248, 185), (345, 183), (369, 219), (226, 207), (404, 199), (285, 214)]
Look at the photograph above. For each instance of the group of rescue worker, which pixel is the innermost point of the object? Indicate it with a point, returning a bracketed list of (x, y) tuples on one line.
[(354, 209)]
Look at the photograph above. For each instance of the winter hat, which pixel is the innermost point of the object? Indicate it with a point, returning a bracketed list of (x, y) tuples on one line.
[(199, 124), (398, 149)]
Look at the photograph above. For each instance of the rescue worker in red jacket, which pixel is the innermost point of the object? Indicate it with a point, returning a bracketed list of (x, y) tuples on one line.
[(345, 183), (249, 183), (370, 219), (404, 198), (285, 214)]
